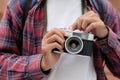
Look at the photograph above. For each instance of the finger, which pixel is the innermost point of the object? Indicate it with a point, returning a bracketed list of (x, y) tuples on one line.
[(77, 24), (91, 27), (55, 45), (80, 23), (90, 13), (55, 38), (57, 31), (74, 25), (47, 49), (87, 21)]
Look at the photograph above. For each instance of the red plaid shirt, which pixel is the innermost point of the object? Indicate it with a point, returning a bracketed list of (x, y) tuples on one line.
[(20, 46)]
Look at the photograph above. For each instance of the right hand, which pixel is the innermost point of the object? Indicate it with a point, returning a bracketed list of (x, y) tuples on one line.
[(52, 39)]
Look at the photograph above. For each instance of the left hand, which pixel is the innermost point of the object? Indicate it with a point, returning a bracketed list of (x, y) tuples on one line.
[(90, 22)]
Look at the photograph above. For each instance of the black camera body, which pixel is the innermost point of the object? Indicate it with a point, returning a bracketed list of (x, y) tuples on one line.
[(78, 42)]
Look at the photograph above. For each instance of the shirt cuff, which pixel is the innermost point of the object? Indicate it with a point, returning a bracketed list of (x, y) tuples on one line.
[(34, 70), (104, 43)]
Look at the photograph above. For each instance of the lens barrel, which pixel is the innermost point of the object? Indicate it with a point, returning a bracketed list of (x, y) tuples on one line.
[(73, 45)]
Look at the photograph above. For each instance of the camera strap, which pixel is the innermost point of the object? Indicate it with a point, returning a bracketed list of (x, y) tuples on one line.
[(25, 10), (101, 13), (45, 16)]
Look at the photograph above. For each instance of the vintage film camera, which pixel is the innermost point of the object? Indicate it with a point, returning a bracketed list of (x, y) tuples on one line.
[(78, 42)]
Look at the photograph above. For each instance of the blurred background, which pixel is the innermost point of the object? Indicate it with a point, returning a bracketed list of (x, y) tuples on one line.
[(3, 4), (116, 5)]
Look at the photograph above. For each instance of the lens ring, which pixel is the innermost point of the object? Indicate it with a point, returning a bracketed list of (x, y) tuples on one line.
[(67, 42)]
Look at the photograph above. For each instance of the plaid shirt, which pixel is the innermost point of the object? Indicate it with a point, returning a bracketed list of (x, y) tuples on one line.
[(20, 46)]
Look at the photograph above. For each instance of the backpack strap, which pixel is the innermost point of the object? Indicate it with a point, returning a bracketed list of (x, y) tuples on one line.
[(25, 10), (100, 9)]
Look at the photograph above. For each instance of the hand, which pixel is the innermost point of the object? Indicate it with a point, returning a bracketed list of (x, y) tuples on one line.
[(90, 22), (53, 39)]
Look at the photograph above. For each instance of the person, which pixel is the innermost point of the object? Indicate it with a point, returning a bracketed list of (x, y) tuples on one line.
[(25, 54)]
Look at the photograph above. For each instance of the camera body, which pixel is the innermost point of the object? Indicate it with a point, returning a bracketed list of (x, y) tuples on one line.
[(78, 42)]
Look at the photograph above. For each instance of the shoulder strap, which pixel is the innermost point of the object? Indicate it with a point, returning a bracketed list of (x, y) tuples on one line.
[(25, 10), (100, 9)]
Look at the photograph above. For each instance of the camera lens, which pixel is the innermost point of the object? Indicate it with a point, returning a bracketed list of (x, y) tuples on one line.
[(73, 45)]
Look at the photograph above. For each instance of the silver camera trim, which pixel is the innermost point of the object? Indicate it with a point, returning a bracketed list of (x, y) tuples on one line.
[(82, 34), (78, 50)]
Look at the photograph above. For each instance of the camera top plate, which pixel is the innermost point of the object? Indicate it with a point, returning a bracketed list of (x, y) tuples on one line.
[(81, 34)]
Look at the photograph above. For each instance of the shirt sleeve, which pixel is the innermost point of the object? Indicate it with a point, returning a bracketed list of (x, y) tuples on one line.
[(12, 65), (20, 67), (110, 46)]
